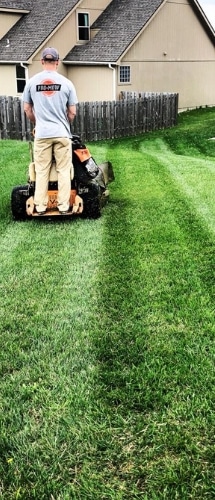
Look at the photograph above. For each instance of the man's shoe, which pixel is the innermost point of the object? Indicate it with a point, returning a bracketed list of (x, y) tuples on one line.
[(63, 209), (40, 212), (63, 212)]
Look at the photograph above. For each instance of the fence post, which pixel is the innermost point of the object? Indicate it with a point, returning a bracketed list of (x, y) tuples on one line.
[(3, 126)]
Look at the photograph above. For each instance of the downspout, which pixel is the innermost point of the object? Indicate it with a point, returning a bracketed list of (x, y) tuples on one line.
[(26, 70), (114, 80)]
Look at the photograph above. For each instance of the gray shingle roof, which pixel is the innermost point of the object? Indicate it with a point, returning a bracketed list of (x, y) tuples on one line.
[(32, 29), (16, 5), (119, 24), (117, 27)]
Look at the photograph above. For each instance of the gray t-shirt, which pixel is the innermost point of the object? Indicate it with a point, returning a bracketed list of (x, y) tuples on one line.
[(50, 93)]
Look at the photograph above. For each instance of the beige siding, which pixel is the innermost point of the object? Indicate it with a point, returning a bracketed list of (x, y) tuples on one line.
[(193, 82), (7, 20), (174, 54), (95, 4), (177, 32), (92, 83), (8, 81)]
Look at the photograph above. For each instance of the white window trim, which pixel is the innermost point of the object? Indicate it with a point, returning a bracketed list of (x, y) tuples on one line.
[(77, 26), (18, 79), (124, 83)]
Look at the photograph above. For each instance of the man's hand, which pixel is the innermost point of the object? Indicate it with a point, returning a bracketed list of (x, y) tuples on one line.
[(28, 109), (71, 112)]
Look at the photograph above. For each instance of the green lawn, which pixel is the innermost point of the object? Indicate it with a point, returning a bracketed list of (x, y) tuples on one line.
[(107, 329)]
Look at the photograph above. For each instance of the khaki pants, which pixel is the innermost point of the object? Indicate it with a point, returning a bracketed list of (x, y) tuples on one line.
[(44, 150)]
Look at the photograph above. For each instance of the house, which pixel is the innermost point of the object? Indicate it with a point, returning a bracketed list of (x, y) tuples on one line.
[(110, 46)]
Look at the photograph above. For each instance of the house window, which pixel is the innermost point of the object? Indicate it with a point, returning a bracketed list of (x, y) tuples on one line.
[(124, 74), (20, 78), (83, 26)]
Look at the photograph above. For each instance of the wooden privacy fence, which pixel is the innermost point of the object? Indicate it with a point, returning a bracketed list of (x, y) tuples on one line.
[(131, 115)]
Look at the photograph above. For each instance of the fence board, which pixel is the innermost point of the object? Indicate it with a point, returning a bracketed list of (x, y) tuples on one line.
[(134, 113), (3, 118)]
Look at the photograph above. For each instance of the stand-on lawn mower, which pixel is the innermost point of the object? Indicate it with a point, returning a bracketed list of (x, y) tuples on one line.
[(89, 191)]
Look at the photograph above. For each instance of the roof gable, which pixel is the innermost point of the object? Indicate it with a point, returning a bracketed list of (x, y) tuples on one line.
[(118, 26), (118, 18)]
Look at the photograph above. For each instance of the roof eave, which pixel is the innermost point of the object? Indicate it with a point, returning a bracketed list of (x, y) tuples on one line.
[(15, 11), (208, 25), (13, 62), (89, 63)]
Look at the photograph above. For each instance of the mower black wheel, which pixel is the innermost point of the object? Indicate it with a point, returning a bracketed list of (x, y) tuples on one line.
[(19, 197), (92, 201)]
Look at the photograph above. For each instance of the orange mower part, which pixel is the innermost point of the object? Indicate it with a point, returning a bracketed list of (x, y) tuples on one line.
[(76, 205)]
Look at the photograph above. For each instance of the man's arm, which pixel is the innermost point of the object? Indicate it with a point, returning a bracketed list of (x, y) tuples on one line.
[(71, 112), (28, 109)]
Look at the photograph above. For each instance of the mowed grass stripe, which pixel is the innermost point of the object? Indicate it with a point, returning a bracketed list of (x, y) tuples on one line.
[(156, 346), (47, 364), (195, 177)]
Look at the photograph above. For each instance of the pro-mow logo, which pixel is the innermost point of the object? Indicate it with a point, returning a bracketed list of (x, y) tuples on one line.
[(48, 87)]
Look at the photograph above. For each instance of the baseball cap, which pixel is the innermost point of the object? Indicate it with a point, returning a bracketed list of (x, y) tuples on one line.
[(50, 54)]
